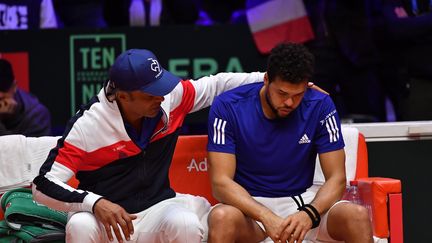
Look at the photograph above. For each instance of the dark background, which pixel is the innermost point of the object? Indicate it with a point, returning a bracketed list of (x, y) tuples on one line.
[(49, 57)]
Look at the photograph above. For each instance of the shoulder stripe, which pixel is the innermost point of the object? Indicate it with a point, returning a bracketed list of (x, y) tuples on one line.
[(332, 129), (215, 130), (336, 127), (223, 132), (219, 131)]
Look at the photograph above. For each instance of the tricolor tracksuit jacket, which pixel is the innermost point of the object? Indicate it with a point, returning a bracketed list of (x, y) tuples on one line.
[(97, 149)]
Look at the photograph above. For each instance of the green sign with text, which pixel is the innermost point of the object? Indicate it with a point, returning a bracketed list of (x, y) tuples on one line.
[(202, 66), (91, 56)]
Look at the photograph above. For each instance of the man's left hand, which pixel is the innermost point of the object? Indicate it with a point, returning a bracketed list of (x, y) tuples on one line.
[(295, 227)]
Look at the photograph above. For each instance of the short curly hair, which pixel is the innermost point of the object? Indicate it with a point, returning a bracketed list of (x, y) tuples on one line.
[(291, 62)]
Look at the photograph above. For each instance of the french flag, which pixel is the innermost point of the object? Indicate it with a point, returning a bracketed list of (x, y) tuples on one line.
[(275, 21)]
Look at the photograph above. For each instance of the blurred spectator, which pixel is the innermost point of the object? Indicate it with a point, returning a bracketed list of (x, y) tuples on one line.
[(346, 58), (151, 12), (80, 13), (403, 33), (26, 14), (20, 112)]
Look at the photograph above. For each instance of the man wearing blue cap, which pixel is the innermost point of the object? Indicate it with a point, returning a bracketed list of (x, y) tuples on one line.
[(120, 145)]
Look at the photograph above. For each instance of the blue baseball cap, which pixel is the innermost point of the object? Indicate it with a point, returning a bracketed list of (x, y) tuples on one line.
[(139, 69)]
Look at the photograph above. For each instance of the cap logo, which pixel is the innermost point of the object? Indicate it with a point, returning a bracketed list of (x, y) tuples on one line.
[(155, 67)]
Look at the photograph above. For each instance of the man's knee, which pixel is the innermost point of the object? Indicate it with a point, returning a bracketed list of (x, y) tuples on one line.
[(354, 215), (229, 224), (183, 225), (225, 220), (224, 214), (360, 214), (349, 219), (81, 225)]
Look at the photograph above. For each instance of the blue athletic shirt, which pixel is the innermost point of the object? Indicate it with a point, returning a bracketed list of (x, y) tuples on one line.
[(274, 158)]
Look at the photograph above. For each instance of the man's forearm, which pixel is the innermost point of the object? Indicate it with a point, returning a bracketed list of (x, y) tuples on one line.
[(207, 88), (235, 195), (329, 193), (333, 167)]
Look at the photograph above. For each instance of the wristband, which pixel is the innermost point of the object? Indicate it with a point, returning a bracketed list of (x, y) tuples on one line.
[(312, 213)]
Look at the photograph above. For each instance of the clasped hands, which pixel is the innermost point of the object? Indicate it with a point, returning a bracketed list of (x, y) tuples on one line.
[(291, 229)]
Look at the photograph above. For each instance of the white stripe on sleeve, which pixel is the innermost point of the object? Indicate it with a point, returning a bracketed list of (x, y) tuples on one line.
[(336, 127), (215, 130), (219, 131), (329, 131), (223, 132), (332, 129)]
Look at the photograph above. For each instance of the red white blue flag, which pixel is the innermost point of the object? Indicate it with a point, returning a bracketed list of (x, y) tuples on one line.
[(275, 21)]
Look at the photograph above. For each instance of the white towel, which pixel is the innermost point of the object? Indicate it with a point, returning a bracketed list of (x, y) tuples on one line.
[(20, 159), (350, 136)]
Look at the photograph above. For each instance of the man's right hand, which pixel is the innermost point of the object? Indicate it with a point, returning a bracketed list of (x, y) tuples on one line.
[(113, 215), (272, 224)]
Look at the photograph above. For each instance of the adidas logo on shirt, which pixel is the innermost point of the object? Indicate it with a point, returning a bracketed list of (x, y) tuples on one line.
[(304, 139)]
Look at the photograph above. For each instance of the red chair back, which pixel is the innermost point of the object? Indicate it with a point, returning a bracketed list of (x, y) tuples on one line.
[(188, 172)]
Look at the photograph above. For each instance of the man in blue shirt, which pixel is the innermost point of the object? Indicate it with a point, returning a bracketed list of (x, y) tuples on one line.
[(263, 142)]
